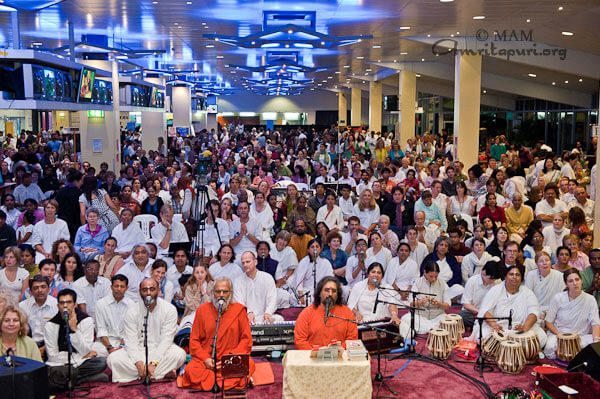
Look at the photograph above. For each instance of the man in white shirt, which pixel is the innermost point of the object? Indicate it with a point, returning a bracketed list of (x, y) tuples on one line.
[(137, 270), (256, 290), (346, 202), (243, 232), (475, 289), (587, 205), (491, 186), (81, 337), (39, 308), (110, 315), (167, 231), (550, 205), (344, 179), (27, 190), (350, 237), (179, 268), (553, 234), (92, 287), (164, 357), (567, 169), (439, 198)]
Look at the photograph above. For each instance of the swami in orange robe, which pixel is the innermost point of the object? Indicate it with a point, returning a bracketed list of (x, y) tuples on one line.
[(234, 337), (311, 330)]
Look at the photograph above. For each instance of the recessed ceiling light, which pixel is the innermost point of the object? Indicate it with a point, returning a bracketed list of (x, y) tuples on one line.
[(287, 46), (359, 40), (422, 59), (312, 89), (428, 35), (210, 46), (405, 27), (528, 20), (376, 46), (366, 73), (360, 57), (553, 83), (329, 77), (403, 53), (364, 81), (417, 75), (189, 3), (346, 66), (581, 80), (395, 60), (322, 43), (290, 31), (155, 2), (452, 35), (179, 27), (561, 8), (485, 91), (205, 27), (446, 1), (219, 56), (203, 23), (324, 81), (368, 70), (532, 75), (479, 17), (175, 23), (567, 33), (337, 72), (566, 81), (319, 84), (458, 33)]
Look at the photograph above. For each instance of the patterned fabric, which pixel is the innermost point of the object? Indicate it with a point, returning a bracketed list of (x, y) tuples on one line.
[(108, 219), (304, 377)]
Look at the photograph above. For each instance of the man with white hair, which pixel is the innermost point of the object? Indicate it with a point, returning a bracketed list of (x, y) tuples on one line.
[(234, 336), (256, 290), (164, 357), (137, 270)]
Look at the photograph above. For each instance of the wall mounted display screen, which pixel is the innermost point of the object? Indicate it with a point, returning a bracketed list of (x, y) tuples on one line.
[(59, 85), (49, 83), (161, 100), (211, 109), (38, 81), (67, 86), (136, 96), (86, 85), (102, 92), (153, 97)]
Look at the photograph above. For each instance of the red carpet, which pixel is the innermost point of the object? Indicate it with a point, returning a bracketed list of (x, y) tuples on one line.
[(418, 380)]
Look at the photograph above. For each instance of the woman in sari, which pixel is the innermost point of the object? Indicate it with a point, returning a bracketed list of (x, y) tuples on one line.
[(572, 311)]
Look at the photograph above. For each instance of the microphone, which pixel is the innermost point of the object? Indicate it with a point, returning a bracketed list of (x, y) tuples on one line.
[(65, 313), (9, 353), (510, 320), (327, 305), (148, 300), (376, 302), (221, 302), (580, 365), (375, 282)]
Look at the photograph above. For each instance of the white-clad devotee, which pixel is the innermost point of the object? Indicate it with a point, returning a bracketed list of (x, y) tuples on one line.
[(304, 280), (357, 265), (127, 234), (262, 214), (434, 305), (47, 231), (418, 250), (402, 271), (377, 251), (92, 287), (136, 270), (510, 295), (572, 311), (476, 288), (545, 282), (39, 307), (287, 263), (367, 211), (350, 237), (550, 205), (179, 268), (473, 262), (167, 231), (554, 234), (256, 290), (225, 266), (244, 232), (110, 317), (364, 294), (164, 356), (210, 239), (330, 213)]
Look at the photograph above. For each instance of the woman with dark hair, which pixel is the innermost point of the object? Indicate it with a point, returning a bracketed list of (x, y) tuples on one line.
[(299, 175), (496, 248), (152, 204), (492, 210), (474, 261), (476, 287), (337, 257), (158, 273), (511, 297), (432, 307), (489, 228), (12, 213), (578, 224), (449, 269), (224, 265), (322, 232), (362, 297), (572, 311), (533, 243), (587, 243), (544, 281), (305, 281), (93, 197), (109, 184)]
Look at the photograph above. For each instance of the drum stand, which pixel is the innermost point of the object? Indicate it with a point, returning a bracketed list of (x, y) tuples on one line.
[(378, 331), (480, 364)]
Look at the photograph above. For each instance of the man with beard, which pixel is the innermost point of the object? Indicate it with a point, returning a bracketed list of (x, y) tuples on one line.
[(234, 337), (164, 357), (311, 328)]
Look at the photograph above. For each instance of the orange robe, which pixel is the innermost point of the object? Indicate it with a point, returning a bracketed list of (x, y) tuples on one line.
[(234, 338), (311, 330)]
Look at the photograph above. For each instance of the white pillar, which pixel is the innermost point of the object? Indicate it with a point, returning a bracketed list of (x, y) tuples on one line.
[(407, 96), (356, 112), (375, 106), (342, 109), (182, 106)]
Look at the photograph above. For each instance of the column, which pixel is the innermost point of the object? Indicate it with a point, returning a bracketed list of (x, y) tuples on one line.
[(467, 99), (597, 197), (154, 125), (375, 106), (355, 113), (182, 106), (407, 96), (342, 109)]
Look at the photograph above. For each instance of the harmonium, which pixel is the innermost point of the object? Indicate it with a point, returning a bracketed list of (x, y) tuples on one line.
[(388, 341)]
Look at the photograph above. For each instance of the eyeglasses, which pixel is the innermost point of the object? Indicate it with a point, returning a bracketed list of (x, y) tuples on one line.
[(222, 291)]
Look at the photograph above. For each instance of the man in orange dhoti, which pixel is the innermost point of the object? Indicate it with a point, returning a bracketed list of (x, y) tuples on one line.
[(310, 326), (234, 337)]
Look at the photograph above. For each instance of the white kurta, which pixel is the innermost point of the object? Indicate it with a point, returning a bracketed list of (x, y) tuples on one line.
[(265, 222), (135, 277), (573, 316), (552, 238), (368, 216), (431, 317), (352, 265), (286, 261), (403, 275), (45, 234), (545, 288), (363, 300), (475, 290), (500, 303), (211, 240), (419, 253), (245, 244), (346, 240), (383, 256), (304, 279), (93, 293), (162, 325), (81, 340), (230, 270), (334, 219), (259, 295), (158, 232), (128, 238), (472, 265), (110, 316)]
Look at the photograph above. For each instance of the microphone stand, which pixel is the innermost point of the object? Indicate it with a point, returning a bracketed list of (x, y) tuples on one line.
[(314, 273), (215, 388), (480, 364), (69, 354), (378, 331)]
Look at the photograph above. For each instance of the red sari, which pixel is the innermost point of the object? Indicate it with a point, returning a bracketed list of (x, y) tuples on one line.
[(234, 338)]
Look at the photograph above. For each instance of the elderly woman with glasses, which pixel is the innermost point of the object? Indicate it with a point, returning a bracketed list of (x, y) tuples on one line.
[(90, 238)]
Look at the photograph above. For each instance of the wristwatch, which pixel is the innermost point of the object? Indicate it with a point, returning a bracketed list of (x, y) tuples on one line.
[(154, 363)]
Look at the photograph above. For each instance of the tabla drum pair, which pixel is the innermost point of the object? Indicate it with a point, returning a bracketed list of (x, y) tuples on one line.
[(453, 323), (569, 345), (439, 344), (511, 358), (491, 345), (529, 342)]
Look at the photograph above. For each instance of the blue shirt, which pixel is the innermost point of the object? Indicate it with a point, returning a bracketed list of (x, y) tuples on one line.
[(341, 258)]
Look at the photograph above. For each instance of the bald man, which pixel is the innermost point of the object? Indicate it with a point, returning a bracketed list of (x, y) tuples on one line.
[(164, 357), (256, 290)]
